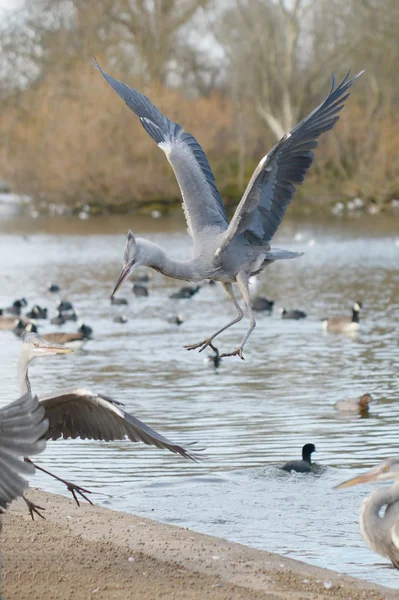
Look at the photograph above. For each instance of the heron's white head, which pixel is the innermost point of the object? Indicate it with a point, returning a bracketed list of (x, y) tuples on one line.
[(130, 261), (387, 470), (34, 346)]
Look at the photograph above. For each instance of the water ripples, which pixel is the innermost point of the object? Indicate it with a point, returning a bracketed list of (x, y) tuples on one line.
[(249, 415)]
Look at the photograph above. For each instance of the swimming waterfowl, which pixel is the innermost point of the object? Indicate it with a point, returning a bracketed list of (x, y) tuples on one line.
[(70, 340), (213, 359), (120, 319), (293, 314), (37, 312), (260, 303), (53, 288), (341, 324), (301, 466), (22, 327), (64, 305), (140, 290), (185, 292), (355, 405), (58, 320), (175, 320), (118, 301)]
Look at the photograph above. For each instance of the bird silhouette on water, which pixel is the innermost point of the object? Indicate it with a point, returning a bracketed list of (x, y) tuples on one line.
[(185, 293), (304, 465), (294, 314)]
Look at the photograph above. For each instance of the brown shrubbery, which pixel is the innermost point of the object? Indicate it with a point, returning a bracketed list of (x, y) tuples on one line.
[(70, 139)]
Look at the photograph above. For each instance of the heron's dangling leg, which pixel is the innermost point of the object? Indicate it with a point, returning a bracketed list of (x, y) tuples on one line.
[(74, 489), (208, 342), (33, 508), (242, 280)]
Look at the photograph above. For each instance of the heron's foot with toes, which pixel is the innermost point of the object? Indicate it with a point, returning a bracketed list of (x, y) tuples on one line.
[(72, 487), (76, 489), (238, 352), (33, 508), (202, 345)]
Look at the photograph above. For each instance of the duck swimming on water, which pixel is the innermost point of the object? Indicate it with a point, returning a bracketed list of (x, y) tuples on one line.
[(358, 405), (301, 466)]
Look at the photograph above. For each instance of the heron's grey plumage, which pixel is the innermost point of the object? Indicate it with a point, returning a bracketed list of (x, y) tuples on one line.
[(202, 202), (221, 251), (272, 186), (83, 414), (379, 527), (22, 425)]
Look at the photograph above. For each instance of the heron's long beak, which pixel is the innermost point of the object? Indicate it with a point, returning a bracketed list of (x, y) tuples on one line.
[(51, 348), (364, 478), (122, 277)]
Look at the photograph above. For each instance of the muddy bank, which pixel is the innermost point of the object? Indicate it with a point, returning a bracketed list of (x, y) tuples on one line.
[(95, 553)]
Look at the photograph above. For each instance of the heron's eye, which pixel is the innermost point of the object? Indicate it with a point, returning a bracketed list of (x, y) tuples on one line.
[(385, 469), (35, 345)]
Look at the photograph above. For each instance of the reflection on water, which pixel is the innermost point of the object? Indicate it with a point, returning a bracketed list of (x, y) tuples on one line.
[(251, 415)]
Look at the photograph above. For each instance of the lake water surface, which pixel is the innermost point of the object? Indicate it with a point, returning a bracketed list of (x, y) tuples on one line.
[(251, 416)]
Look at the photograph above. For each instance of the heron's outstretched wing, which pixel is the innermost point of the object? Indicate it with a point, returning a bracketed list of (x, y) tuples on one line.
[(86, 415), (272, 186), (22, 424), (202, 203)]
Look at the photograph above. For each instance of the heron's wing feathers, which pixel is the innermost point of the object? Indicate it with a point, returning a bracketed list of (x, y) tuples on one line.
[(202, 203), (87, 415), (22, 424), (272, 186)]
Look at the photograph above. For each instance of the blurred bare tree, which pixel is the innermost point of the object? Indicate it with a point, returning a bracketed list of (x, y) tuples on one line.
[(254, 67)]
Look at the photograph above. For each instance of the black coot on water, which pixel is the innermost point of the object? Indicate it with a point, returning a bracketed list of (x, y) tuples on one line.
[(301, 466)]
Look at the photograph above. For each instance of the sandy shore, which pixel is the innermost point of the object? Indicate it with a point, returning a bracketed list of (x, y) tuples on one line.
[(98, 554)]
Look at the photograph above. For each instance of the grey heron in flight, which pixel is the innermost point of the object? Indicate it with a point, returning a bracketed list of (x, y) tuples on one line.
[(223, 251), (22, 425), (79, 413), (380, 531)]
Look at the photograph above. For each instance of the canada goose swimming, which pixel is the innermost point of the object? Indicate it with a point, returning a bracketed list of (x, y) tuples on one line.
[(53, 288), (355, 405), (344, 324), (293, 314), (185, 292), (8, 322), (301, 466), (22, 327), (140, 290), (262, 304), (118, 301), (37, 312), (70, 340)]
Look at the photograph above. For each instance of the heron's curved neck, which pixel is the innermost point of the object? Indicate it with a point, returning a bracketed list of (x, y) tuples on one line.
[(23, 378), (153, 256), (371, 522)]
